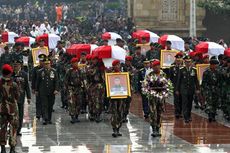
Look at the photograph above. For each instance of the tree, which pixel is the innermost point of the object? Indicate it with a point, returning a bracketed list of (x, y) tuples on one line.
[(217, 6)]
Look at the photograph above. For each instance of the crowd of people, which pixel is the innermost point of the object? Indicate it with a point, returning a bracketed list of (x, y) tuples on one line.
[(80, 81)]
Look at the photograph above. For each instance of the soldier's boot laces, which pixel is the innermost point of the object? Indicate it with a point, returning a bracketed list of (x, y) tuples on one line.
[(12, 150), (3, 149), (118, 133), (114, 133)]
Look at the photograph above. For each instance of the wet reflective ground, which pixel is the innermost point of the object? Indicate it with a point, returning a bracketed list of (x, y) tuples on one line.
[(90, 137)]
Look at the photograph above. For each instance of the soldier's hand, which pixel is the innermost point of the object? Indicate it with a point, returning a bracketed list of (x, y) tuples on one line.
[(28, 101), (197, 91), (55, 92), (177, 93)]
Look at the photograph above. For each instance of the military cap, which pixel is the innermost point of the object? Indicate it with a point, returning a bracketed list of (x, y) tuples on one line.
[(214, 62), (128, 58), (115, 62), (41, 57), (18, 61), (179, 55), (7, 69), (46, 60), (156, 62), (187, 58), (146, 61), (74, 60)]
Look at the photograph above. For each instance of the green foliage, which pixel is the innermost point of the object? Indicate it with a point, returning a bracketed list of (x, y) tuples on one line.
[(217, 6)]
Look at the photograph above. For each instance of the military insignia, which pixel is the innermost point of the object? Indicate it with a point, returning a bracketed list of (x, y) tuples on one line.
[(192, 73), (52, 74), (43, 74)]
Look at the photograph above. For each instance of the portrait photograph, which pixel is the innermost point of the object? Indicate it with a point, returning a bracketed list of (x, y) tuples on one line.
[(117, 85), (36, 52), (200, 71), (167, 58), (144, 48)]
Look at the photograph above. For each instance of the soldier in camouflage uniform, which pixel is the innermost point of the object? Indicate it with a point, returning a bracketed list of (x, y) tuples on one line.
[(225, 88), (127, 67), (138, 59), (156, 88), (21, 78), (74, 84), (9, 95), (96, 89), (61, 71), (5, 57), (211, 88), (173, 75), (117, 106), (153, 53)]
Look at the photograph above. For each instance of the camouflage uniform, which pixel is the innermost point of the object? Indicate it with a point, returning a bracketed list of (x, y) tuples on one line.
[(211, 90), (225, 96), (153, 54), (74, 83), (21, 78), (138, 61), (9, 95), (96, 91)]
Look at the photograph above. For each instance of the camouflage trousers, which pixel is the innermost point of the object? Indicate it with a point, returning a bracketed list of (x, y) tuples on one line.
[(212, 102), (117, 111), (126, 107), (96, 99), (12, 121), (226, 101), (74, 104), (155, 109)]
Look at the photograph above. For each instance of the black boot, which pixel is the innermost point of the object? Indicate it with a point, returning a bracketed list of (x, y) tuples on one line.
[(76, 119), (213, 117), (118, 133), (3, 149), (91, 117), (73, 119), (114, 133), (98, 119), (158, 132), (210, 117), (12, 150), (154, 134)]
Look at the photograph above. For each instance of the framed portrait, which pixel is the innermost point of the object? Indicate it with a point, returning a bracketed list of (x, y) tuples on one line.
[(118, 85), (36, 52), (144, 48), (200, 71), (167, 58)]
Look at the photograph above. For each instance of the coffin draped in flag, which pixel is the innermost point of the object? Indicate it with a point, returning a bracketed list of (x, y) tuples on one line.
[(77, 49), (27, 41), (177, 42), (111, 37), (50, 40), (227, 52), (148, 35), (211, 48), (9, 37), (110, 53)]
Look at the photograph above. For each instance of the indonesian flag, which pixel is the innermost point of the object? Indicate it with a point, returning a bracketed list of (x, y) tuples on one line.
[(111, 37), (9, 37), (50, 40), (227, 52), (177, 42), (148, 35), (110, 53), (211, 48), (27, 41), (77, 49)]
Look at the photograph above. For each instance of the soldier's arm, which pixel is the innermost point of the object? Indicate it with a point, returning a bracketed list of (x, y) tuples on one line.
[(56, 81), (16, 91), (38, 79), (33, 81), (178, 82), (197, 83)]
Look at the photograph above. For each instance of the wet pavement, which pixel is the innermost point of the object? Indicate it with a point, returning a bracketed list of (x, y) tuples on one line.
[(90, 137)]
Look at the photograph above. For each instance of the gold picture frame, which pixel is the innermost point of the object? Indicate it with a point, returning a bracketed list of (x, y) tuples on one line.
[(118, 85), (36, 52), (200, 71), (168, 58)]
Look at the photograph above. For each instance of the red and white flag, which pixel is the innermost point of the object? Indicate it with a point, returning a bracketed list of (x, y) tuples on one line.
[(177, 42), (148, 35), (27, 41), (49, 39), (211, 48), (77, 49), (111, 37), (9, 37)]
